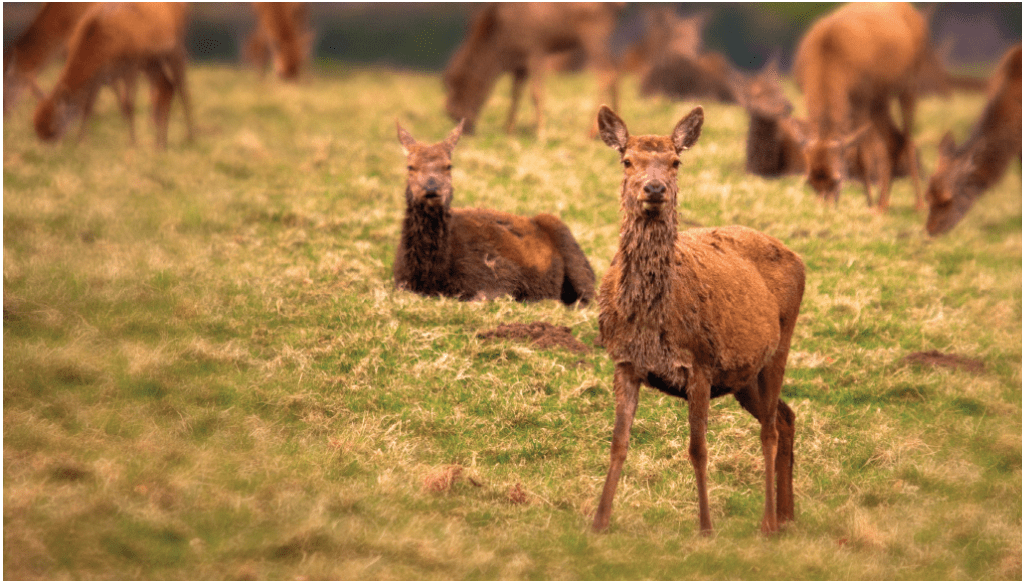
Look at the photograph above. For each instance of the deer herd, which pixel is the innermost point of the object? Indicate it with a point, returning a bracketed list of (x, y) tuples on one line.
[(694, 313)]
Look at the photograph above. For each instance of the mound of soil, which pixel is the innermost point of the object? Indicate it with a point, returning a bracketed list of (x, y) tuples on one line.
[(933, 358), (544, 334)]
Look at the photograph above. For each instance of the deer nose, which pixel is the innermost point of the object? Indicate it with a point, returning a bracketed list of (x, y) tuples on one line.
[(431, 186), (654, 191)]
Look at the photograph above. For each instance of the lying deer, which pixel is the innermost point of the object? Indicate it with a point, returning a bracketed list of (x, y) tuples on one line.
[(696, 314), (963, 174), (477, 254), (517, 38), (671, 60), (114, 41), (47, 33), (857, 56), (281, 35)]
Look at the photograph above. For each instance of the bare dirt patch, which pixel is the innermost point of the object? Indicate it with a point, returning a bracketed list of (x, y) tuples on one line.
[(953, 361), (543, 334)]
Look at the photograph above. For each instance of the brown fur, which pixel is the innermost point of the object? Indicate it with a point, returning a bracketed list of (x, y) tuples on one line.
[(665, 32), (775, 139), (47, 34), (282, 34), (114, 41), (963, 174), (671, 61), (517, 38), (474, 254), (849, 60), (697, 314)]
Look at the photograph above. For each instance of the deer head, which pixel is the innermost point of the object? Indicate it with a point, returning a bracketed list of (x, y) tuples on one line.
[(429, 182), (762, 94), (826, 161), (947, 203), (650, 163)]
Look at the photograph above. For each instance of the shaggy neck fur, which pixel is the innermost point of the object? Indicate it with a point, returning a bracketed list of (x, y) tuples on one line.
[(764, 146), (427, 245), (647, 249)]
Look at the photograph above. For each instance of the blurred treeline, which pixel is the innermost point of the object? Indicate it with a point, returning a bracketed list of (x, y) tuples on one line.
[(423, 35)]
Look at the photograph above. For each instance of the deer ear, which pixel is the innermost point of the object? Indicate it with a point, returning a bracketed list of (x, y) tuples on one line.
[(612, 129), (454, 135), (947, 147), (688, 129), (405, 138)]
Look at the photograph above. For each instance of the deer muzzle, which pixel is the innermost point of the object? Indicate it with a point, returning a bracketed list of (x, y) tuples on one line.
[(652, 197)]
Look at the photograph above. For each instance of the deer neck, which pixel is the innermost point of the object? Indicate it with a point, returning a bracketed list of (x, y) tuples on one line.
[(426, 241), (647, 252)]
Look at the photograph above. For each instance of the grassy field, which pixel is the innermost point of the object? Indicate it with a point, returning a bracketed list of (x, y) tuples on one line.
[(209, 374)]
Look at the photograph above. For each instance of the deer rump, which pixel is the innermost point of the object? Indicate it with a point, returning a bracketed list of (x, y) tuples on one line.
[(494, 253)]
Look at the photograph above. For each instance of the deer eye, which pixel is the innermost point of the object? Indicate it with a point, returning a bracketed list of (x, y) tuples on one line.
[(627, 163), (411, 168), (675, 164), (448, 168)]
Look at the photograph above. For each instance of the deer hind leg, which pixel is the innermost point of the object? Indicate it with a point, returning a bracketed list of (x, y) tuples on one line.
[(535, 70), (176, 64), (627, 391), (161, 90), (124, 86), (756, 400), (786, 424), (518, 79)]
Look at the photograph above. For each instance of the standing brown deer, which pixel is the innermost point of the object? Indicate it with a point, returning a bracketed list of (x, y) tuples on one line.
[(282, 34), (47, 34), (696, 314), (477, 254), (849, 61), (114, 41), (963, 174), (517, 38)]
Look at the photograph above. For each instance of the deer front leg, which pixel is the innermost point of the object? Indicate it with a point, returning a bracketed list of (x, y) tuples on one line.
[(698, 393), (908, 104), (627, 390)]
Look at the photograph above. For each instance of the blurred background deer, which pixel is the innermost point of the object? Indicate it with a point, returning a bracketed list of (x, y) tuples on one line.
[(282, 37), (114, 42), (516, 38)]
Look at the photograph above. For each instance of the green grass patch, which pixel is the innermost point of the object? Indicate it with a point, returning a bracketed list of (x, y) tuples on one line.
[(209, 374)]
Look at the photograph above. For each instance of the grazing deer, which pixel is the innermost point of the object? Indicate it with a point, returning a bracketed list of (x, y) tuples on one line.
[(282, 34), (849, 61), (114, 41), (775, 139), (963, 174), (47, 33), (517, 38), (477, 254), (696, 314)]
